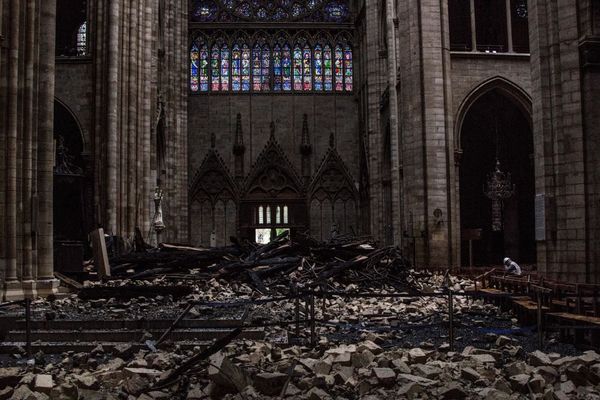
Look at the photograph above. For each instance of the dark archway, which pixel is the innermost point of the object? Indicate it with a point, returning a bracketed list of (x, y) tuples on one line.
[(495, 124), (70, 227)]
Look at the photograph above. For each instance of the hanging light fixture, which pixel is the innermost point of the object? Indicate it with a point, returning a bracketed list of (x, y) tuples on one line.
[(498, 188)]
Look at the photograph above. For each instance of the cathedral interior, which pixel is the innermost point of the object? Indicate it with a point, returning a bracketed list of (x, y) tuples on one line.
[(456, 132)]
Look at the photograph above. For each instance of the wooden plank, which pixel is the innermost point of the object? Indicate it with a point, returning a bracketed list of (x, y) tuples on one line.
[(576, 317), (529, 305), (100, 254), (492, 291), (73, 284)]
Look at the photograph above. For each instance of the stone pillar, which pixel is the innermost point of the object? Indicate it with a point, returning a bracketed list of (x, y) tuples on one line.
[(559, 138), (28, 128), (112, 100), (45, 157), (427, 131), (11, 143), (395, 138)]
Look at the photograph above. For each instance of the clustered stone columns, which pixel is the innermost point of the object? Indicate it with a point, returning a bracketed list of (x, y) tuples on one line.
[(139, 56), (27, 147)]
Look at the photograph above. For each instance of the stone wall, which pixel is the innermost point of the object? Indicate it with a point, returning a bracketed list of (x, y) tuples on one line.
[(315, 119), (560, 132), (74, 89)]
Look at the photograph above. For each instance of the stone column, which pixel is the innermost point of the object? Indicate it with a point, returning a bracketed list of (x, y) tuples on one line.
[(46, 146), (11, 143), (112, 100), (28, 229), (395, 139)]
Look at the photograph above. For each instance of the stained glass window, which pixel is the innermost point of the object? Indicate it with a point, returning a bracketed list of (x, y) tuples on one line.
[(286, 64), (215, 66), (327, 69), (265, 11), (236, 68), (277, 69), (246, 68), (203, 67), (266, 68), (257, 67), (298, 68), (348, 73), (194, 68), (240, 68), (82, 40), (306, 68), (225, 68), (318, 60), (339, 68)]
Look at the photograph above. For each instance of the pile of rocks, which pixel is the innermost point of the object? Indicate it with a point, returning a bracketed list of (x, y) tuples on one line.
[(368, 349), (258, 370)]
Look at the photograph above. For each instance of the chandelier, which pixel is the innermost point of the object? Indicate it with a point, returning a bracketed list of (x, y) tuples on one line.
[(498, 188)]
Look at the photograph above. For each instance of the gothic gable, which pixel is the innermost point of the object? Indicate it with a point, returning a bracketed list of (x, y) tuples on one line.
[(213, 180), (273, 175), (333, 180)]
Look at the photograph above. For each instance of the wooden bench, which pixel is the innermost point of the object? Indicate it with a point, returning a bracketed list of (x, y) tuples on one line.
[(578, 319)]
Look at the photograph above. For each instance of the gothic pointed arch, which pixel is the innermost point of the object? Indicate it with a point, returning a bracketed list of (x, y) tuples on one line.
[(332, 179), (212, 181), (510, 90), (273, 175), (333, 199)]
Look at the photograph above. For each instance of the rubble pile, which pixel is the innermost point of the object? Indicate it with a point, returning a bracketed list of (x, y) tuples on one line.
[(282, 262), (367, 350), (366, 370), (386, 346)]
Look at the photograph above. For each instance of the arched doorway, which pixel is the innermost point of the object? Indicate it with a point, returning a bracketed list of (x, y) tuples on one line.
[(496, 127), (70, 227), (273, 199)]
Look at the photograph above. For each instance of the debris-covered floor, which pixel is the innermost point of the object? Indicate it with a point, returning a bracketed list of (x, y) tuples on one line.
[(232, 343)]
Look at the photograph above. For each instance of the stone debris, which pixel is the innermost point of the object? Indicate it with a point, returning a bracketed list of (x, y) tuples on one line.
[(43, 383), (363, 354), (333, 370)]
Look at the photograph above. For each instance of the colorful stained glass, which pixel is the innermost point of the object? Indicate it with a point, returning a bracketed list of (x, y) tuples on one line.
[(194, 70), (336, 12), (236, 68), (348, 68), (203, 67), (298, 68), (286, 63), (266, 11), (327, 69), (246, 68), (318, 67), (339, 69), (260, 68), (277, 69), (307, 69), (215, 66), (256, 69), (225, 60), (204, 11), (266, 68)]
